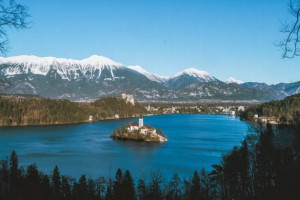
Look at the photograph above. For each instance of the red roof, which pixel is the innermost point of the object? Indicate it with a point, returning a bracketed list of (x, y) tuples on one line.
[(134, 124)]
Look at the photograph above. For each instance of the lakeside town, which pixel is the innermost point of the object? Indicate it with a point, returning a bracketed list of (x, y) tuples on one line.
[(233, 109)]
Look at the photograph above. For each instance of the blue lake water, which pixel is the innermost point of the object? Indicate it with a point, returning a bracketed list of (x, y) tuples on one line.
[(195, 141)]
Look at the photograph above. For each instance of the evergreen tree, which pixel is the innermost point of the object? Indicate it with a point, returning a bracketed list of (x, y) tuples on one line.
[(15, 179), (264, 156), (56, 183), (128, 187), (205, 185), (91, 188), (109, 191), (46, 187), (118, 185), (141, 190), (100, 186), (175, 187), (82, 190), (33, 183), (4, 179), (195, 187), (66, 187), (244, 170)]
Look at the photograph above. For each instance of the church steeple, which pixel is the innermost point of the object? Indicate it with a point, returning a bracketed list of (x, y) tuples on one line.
[(141, 122)]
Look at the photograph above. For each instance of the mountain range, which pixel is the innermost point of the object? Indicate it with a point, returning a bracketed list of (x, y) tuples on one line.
[(98, 76)]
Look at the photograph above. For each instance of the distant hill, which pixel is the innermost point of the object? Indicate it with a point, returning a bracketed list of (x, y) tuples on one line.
[(281, 90), (284, 111), (22, 110)]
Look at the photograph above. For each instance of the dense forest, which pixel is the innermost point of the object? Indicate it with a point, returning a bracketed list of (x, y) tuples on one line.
[(261, 168), (33, 110), (284, 111)]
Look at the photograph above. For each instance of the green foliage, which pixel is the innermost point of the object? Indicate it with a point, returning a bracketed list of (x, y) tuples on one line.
[(112, 105), (286, 110)]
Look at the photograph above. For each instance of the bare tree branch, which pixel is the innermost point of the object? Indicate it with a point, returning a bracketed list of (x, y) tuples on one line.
[(290, 45), (12, 16)]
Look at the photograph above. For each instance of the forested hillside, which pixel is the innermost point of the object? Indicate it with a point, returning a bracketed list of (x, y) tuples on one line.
[(284, 111), (33, 110)]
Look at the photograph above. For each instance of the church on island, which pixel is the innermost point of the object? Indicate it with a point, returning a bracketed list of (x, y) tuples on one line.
[(138, 131), (140, 127)]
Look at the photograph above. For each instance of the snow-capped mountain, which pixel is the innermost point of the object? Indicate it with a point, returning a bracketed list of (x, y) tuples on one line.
[(98, 76), (149, 75), (90, 68), (73, 79), (188, 77), (233, 80)]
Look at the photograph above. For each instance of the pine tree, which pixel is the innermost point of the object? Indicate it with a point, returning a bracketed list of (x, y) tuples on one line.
[(128, 187), (45, 187), (82, 188), (195, 188), (4, 179), (174, 186), (33, 183), (14, 173), (56, 183), (244, 170), (100, 186), (109, 191), (141, 190), (118, 186)]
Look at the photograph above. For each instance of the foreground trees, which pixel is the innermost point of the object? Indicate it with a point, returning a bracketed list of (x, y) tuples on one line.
[(263, 167)]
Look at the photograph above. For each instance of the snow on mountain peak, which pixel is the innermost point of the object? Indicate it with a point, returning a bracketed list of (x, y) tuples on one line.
[(100, 61), (42, 65), (46, 61), (149, 75), (195, 73), (233, 80)]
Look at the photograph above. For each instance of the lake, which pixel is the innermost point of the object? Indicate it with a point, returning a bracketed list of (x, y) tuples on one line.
[(195, 141)]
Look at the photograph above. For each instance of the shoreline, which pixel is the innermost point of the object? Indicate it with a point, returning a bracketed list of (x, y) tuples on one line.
[(110, 119)]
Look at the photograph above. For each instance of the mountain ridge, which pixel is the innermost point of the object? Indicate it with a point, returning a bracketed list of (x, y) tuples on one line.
[(98, 76)]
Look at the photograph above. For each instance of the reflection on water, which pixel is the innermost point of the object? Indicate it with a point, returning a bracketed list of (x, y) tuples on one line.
[(195, 141)]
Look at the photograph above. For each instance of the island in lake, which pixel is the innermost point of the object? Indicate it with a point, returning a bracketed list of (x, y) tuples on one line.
[(139, 132)]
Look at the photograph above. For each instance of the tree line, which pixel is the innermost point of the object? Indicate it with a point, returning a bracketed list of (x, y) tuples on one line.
[(263, 167), (286, 110), (33, 110)]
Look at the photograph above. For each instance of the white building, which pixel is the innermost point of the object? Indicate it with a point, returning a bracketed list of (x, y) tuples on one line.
[(133, 127), (148, 108), (91, 118), (144, 130), (117, 116), (152, 130), (232, 112), (241, 108), (141, 122), (128, 97)]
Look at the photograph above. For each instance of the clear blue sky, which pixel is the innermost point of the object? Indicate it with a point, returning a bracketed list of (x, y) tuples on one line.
[(225, 38)]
